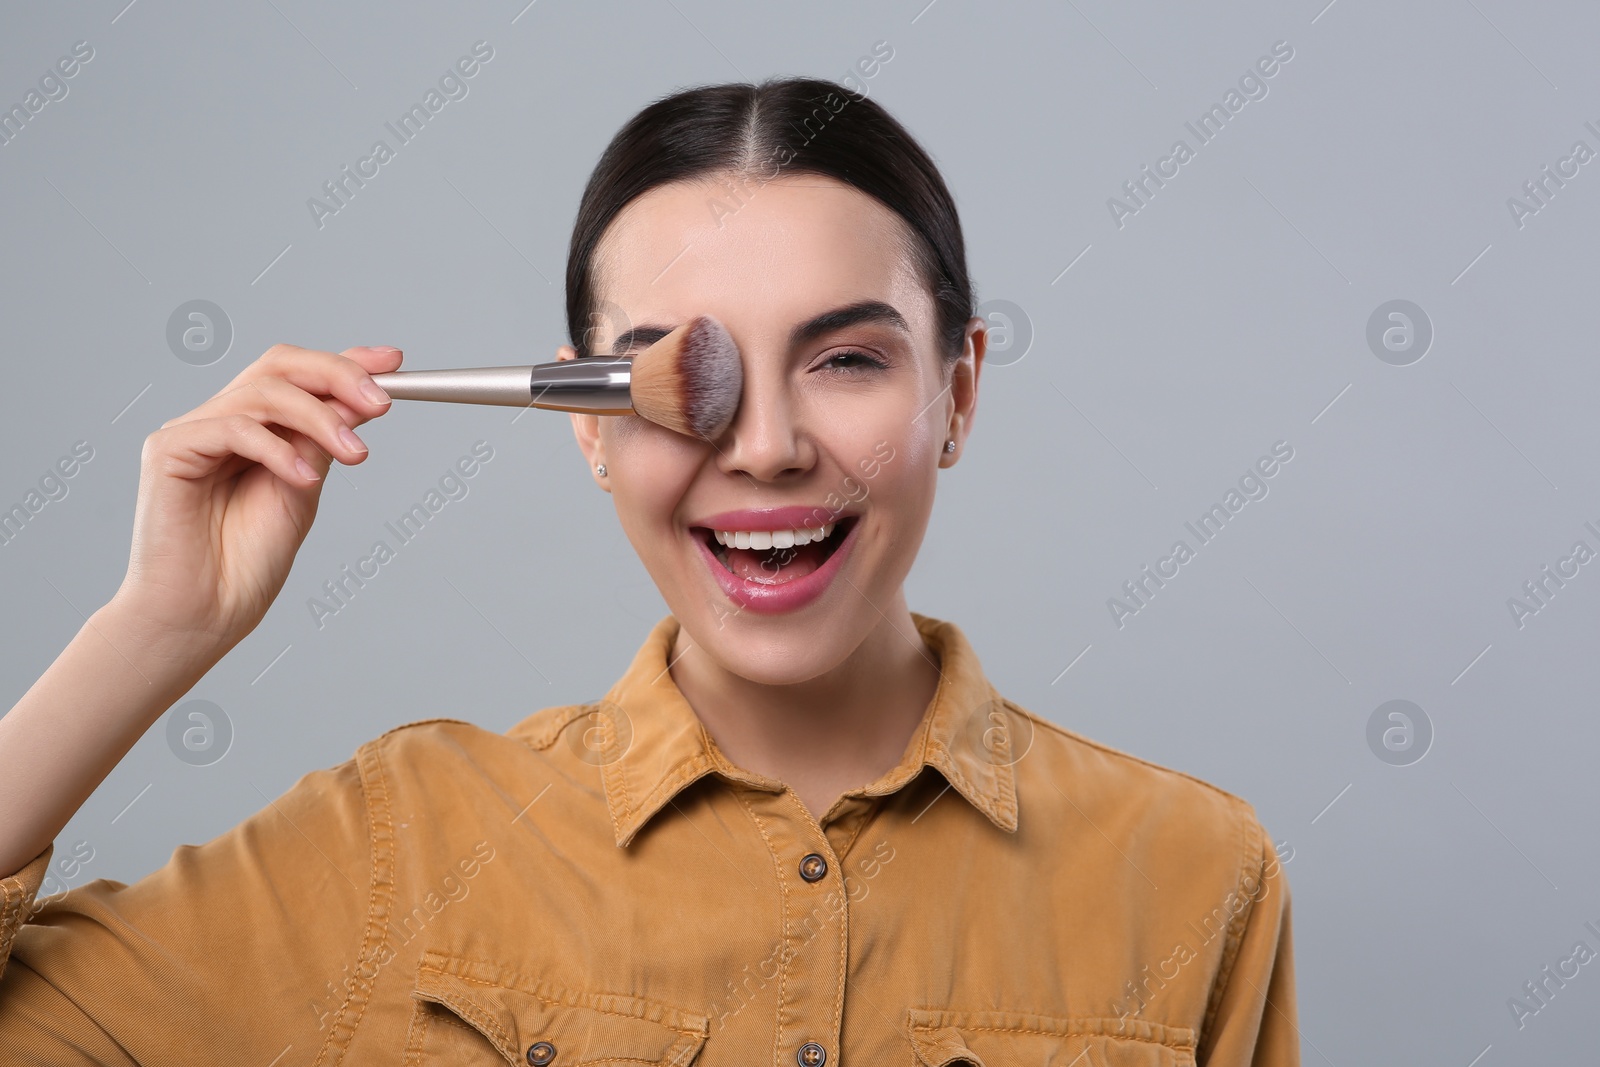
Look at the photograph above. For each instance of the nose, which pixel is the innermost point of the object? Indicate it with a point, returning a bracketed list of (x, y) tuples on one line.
[(767, 440)]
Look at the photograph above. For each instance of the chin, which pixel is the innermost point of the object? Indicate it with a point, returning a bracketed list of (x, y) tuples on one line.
[(783, 650)]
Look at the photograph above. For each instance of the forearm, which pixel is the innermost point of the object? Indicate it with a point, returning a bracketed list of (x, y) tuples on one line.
[(58, 743)]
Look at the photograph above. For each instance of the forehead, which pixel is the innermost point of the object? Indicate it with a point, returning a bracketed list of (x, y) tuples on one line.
[(759, 257)]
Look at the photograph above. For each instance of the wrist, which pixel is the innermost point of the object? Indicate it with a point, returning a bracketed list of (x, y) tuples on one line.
[(167, 657)]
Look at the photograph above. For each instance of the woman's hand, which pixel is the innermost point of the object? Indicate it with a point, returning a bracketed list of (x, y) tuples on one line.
[(228, 491), (224, 504)]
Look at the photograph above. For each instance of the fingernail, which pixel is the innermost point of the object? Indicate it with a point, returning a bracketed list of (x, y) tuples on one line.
[(305, 468), (382, 348), (350, 440), (374, 392)]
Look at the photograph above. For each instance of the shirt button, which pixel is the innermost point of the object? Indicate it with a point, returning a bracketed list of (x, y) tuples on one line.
[(812, 868), (811, 1054), (541, 1053)]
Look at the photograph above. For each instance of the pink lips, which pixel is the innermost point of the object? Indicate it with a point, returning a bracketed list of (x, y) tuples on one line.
[(775, 597)]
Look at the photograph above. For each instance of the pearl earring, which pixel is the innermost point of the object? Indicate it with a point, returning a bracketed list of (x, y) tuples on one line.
[(600, 469), (950, 445)]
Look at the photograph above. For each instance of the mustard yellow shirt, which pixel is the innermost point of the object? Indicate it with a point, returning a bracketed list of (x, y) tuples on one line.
[(600, 885)]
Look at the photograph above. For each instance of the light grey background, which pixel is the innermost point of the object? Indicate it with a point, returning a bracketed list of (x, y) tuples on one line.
[(1228, 314)]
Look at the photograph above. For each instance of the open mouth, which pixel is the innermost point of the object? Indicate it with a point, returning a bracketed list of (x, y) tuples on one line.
[(777, 556)]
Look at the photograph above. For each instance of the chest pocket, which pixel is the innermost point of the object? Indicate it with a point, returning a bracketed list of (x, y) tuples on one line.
[(1010, 1039), (471, 1012)]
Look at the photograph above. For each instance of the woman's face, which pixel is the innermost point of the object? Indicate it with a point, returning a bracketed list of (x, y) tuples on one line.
[(840, 428)]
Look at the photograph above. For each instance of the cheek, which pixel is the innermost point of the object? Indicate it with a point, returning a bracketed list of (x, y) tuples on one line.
[(869, 435), (649, 469), (622, 431), (906, 482), (892, 464)]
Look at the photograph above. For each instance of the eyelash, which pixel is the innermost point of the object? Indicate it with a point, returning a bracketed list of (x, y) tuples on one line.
[(874, 362)]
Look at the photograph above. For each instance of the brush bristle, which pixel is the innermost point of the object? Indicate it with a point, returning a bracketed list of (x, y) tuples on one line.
[(691, 386)]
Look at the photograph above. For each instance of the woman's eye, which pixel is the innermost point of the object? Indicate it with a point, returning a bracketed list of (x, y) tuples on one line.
[(850, 361)]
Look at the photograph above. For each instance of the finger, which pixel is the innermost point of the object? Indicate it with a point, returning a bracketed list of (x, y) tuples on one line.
[(323, 374), (275, 401), (199, 447), (347, 376), (375, 360), (313, 453), (341, 409)]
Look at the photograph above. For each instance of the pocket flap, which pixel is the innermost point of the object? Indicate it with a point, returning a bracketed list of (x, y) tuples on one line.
[(1011, 1039), (514, 1013), (942, 1047)]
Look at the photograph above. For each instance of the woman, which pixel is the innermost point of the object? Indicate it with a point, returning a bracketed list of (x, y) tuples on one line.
[(801, 828)]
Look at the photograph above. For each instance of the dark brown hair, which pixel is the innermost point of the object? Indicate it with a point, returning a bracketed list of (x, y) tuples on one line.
[(782, 126)]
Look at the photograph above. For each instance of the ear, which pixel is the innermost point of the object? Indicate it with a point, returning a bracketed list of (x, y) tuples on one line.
[(964, 374), (586, 428)]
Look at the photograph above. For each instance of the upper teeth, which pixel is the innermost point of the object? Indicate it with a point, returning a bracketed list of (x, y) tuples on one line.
[(762, 539)]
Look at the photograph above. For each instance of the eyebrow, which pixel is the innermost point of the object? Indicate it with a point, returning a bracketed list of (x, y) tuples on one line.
[(864, 311)]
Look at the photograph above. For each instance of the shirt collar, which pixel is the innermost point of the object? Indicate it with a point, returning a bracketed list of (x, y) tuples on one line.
[(653, 745)]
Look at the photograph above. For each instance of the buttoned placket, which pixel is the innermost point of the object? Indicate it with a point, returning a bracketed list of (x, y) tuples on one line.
[(673, 749), (816, 928)]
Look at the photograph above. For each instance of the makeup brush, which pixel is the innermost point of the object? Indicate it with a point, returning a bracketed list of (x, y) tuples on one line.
[(689, 381)]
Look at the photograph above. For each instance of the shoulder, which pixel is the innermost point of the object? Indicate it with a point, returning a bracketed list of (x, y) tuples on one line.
[(1158, 816), (426, 749), (538, 731)]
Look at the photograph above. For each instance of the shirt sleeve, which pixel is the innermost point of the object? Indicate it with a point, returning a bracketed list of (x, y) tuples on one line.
[(17, 895), (236, 950), (1255, 1021)]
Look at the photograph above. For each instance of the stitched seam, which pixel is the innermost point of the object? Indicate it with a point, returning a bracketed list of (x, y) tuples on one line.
[(518, 982), (422, 722), (12, 895), (497, 1035), (691, 1047), (16, 900), (957, 777), (974, 794), (621, 765), (414, 1054), (606, 774), (375, 794), (1006, 778), (617, 771), (855, 835), (1173, 1044), (1230, 948), (953, 770), (1073, 1033), (844, 951), (538, 742), (783, 909), (556, 1002), (685, 772), (486, 1022), (844, 940), (942, 740)]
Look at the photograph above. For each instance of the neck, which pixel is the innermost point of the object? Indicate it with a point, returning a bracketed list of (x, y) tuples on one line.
[(840, 730)]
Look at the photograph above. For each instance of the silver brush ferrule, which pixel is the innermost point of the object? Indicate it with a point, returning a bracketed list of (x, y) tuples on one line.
[(596, 385)]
